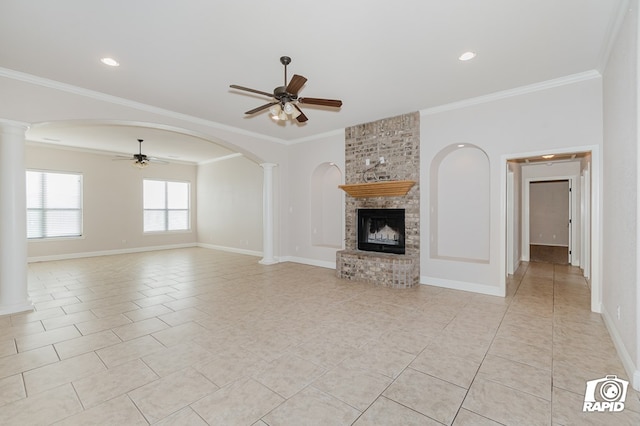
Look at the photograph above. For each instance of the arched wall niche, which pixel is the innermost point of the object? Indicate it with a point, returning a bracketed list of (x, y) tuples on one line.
[(326, 206), (460, 204)]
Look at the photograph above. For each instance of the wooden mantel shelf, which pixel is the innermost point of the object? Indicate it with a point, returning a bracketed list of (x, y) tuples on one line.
[(390, 188)]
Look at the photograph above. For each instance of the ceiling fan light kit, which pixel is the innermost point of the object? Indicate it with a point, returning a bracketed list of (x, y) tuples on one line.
[(284, 105), (140, 164)]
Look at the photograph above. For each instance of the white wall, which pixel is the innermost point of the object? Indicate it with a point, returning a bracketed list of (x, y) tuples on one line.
[(112, 203), (304, 159), (230, 205), (554, 118), (620, 192)]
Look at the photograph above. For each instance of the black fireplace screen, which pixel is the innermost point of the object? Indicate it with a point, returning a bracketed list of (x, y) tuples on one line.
[(381, 230)]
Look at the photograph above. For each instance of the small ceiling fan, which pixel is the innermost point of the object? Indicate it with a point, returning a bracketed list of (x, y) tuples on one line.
[(141, 160), (285, 98)]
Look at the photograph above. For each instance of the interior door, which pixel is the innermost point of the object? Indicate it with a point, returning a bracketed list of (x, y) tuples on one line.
[(550, 220)]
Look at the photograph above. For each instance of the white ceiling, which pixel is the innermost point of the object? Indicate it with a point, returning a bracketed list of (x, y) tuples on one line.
[(382, 58), (123, 140)]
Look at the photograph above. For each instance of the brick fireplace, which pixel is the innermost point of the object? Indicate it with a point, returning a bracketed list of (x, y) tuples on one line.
[(397, 141)]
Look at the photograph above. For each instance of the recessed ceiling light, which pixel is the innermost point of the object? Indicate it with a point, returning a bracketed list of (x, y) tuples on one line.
[(546, 157), (110, 61), (466, 56), (460, 145)]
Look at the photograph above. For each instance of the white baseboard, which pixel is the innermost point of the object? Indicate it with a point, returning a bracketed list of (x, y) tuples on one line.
[(627, 361), (462, 285), (81, 255), (231, 249), (16, 308), (516, 265), (312, 262)]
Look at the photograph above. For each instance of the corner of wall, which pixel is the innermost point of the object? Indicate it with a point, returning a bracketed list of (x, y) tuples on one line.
[(628, 363)]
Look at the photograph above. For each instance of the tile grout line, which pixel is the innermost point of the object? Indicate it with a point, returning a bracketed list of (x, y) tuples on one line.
[(489, 347)]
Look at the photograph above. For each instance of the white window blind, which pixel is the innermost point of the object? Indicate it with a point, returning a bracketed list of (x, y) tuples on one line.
[(166, 205), (54, 204)]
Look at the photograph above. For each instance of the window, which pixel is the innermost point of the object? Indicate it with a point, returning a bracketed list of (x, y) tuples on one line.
[(166, 205), (54, 204)]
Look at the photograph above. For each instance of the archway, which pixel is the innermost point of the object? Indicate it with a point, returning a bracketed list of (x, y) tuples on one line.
[(171, 143)]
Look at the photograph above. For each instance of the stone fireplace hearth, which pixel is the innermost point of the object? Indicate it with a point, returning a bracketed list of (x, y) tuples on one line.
[(397, 141)]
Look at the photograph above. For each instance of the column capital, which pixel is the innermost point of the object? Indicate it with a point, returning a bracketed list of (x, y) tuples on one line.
[(15, 126), (268, 165)]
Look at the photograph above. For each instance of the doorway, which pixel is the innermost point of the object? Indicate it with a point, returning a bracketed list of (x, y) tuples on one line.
[(581, 167), (550, 218)]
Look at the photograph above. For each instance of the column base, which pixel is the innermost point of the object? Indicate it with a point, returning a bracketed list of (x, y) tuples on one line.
[(265, 261), (16, 308)]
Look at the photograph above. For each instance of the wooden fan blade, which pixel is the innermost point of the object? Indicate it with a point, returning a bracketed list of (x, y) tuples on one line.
[(301, 118), (260, 108), (324, 102), (296, 83), (246, 89)]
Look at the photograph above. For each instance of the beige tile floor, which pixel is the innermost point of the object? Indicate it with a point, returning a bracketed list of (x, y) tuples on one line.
[(196, 337)]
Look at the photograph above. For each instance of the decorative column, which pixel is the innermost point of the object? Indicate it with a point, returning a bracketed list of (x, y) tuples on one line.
[(267, 215), (13, 220)]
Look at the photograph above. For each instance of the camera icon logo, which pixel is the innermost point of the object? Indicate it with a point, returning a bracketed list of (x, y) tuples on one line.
[(605, 394)]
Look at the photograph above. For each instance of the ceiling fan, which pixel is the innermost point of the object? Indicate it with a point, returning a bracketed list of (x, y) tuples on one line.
[(285, 98), (141, 160)]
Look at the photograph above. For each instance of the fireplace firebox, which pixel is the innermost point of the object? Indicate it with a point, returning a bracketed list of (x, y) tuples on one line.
[(381, 230)]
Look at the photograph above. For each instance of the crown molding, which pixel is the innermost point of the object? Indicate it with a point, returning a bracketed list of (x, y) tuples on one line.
[(62, 147), (103, 97), (312, 138), (223, 158), (522, 90), (611, 35), (56, 85), (13, 123)]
